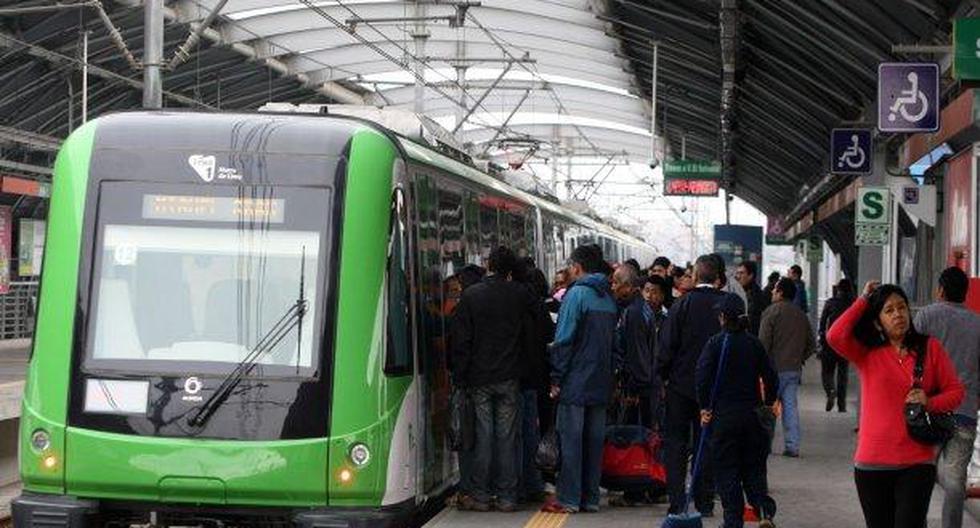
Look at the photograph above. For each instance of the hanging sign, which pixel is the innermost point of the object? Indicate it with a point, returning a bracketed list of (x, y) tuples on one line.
[(872, 216), (691, 178)]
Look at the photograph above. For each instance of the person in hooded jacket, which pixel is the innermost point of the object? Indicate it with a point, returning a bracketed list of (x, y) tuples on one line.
[(581, 380)]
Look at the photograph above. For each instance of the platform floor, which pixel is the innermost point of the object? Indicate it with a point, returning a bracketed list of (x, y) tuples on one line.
[(13, 359), (813, 491)]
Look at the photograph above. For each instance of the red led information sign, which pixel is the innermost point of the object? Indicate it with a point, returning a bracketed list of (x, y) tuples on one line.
[(679, 187)]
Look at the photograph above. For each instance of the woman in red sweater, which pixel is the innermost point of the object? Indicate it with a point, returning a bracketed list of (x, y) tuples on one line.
[(893, 472)]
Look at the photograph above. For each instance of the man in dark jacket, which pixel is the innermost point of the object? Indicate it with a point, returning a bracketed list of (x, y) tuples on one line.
[(488, 340), (747, 275), (691, 322), (833, 368), (634, 353), (581, 379)]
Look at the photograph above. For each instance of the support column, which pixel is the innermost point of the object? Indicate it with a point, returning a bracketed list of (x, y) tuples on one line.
[(870, 257), (152, 54), (813, 295)]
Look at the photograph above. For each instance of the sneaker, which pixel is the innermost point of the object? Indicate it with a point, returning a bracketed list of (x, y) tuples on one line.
[(468, 503), (791, 454), (830, 404), (555, 507), (590, 509), (506, 507)]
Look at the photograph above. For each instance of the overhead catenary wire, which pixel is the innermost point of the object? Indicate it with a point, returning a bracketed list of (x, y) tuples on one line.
[(402, 63), (499, 42)]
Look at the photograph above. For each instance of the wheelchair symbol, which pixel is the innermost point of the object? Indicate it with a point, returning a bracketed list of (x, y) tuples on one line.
[(910, 98), (854, 157)]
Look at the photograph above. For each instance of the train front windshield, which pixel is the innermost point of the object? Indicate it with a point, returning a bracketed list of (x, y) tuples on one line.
[(195, 282)]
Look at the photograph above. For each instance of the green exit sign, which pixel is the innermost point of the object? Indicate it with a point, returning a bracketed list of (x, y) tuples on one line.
[(966, 48)]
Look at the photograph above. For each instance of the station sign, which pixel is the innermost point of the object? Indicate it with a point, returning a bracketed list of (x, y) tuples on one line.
[(966, 49), (850, 151), (908, 97), (872, 216), (692, 178)]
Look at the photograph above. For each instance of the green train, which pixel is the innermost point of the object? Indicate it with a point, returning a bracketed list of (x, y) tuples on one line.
[(242, 319)]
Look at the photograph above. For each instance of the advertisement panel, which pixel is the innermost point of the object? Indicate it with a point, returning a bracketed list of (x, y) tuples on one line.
[(6, 238), (30, 248), (739, 243), (957, 211)]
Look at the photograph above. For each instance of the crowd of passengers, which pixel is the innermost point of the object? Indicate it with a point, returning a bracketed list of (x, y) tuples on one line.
[(688, 352)]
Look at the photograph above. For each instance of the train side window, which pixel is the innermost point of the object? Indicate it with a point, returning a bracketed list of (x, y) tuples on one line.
[(398, 355)]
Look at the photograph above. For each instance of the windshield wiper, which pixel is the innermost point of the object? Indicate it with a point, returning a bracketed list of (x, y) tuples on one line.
[(291, 319)]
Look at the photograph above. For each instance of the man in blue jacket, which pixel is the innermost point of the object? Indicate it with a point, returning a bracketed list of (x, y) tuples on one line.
[(581, 380)]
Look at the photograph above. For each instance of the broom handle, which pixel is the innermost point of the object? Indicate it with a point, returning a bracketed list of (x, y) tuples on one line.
[(696, 470)]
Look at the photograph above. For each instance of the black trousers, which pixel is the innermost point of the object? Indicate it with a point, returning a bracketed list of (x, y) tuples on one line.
[(896, 498), (833, 372), (739, 448), (683, 430)]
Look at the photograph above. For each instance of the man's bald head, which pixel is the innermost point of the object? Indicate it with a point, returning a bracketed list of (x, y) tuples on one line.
[(624, 282)]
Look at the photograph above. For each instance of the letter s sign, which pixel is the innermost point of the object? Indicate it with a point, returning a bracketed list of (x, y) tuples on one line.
[(873, 206)]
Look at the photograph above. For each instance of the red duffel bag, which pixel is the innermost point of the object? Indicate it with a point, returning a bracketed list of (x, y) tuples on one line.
[(630, 459)]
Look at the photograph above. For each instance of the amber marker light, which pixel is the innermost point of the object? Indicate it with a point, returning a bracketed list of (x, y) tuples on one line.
[(346, 476), (50, 461)]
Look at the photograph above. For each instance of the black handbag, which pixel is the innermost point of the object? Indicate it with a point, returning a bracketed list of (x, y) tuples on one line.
[(924, 426)]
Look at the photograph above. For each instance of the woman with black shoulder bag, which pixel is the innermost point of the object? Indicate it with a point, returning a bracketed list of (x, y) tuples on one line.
[(908, 388)]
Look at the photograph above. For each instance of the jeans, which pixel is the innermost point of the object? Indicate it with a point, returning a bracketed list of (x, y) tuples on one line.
[(740, 446), (897, 498), (683, 425), (951, 470), (789, 384), (581, 433), (466, 472), (494, 462), (833, 373), (531, 483)]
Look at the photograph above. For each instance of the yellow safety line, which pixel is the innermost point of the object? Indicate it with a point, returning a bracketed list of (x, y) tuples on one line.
[(547, 520)]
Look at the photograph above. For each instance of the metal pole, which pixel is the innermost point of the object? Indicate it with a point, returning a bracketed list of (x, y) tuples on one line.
[(653, 101), (728, 208), (683, 146), (420, 34), (84, 77), (152, 54)]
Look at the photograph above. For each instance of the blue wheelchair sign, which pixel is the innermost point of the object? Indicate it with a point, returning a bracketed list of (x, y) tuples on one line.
[(850, 151), (908, 97)]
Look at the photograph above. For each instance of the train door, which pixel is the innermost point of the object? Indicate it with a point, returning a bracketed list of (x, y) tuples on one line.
[(431, 368), (401, 347)]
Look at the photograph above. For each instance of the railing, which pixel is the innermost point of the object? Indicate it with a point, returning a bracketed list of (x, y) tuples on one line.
[(17, 309)]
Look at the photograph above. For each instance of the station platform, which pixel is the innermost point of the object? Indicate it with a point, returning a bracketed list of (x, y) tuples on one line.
[(13, 367), (813, 491)]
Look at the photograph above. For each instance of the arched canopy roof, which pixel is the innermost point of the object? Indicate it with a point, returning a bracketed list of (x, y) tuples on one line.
[(572, 74)]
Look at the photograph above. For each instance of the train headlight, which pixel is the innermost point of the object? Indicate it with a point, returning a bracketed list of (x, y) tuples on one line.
[(360, 455), (40, 440)]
